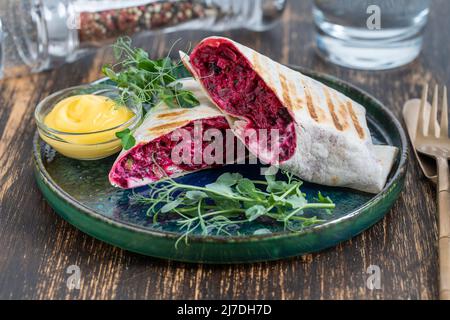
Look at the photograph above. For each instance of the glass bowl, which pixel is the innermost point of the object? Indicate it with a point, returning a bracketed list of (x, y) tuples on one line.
[(83, 149)]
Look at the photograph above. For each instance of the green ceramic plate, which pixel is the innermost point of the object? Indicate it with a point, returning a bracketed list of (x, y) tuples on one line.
[(80, 193)]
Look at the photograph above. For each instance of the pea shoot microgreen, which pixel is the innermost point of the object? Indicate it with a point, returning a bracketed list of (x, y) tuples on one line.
[(127, 139), (221, 207), (146, 80)]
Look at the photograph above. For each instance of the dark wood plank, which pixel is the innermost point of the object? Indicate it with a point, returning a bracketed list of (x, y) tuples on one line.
[(37, 246)]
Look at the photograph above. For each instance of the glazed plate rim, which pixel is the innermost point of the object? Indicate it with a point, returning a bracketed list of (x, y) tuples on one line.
[(397, 175)]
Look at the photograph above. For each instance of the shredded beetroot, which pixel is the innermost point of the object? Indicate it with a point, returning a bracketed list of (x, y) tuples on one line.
[(237, 89), (139, 164)]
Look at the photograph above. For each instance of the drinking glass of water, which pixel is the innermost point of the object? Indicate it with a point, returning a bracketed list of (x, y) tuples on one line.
[(370, 34)]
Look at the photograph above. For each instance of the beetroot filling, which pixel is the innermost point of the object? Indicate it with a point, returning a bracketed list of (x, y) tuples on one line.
[(237, 89), (138, 163)]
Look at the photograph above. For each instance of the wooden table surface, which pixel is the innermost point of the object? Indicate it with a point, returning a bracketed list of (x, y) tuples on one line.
[(37, 246)]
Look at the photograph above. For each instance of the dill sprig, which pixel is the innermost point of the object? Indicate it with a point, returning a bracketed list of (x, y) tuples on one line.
[(232, 200)]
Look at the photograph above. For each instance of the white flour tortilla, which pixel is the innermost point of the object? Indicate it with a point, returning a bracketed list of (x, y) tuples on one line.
[(334, 146), (162, 120)]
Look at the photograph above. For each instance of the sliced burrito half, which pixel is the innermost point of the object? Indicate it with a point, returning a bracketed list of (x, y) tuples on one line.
[(290, 120), (164, 139)]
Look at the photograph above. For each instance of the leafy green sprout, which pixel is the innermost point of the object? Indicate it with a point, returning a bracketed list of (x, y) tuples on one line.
[(147, 81), (127, 138), (233, 200)]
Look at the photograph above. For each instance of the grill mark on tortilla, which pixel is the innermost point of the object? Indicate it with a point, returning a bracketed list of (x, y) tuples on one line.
[(334, 180), (285, 91), (317, 99), (257, 63), (344, 114), (331, 107), (298, 102), (168, 127), (171, 114), (310, 103), (355, 120), (342, 111)]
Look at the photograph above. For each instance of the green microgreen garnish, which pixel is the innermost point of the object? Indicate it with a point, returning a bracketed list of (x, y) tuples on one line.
[(147, 81), (127, 139), (151, 81), (232, 200)]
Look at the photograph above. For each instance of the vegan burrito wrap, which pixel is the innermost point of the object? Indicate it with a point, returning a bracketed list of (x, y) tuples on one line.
[(152, 158), (322, 135)]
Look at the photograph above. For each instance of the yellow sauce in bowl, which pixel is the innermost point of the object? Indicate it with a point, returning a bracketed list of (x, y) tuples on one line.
[(85, 126), (87, 114)]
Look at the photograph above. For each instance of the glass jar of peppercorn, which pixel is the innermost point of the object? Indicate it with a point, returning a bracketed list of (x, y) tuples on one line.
[(39, 34)]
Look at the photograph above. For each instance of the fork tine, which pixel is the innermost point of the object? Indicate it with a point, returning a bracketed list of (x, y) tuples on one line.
[(420, 117), (432, 129), (444, 115)]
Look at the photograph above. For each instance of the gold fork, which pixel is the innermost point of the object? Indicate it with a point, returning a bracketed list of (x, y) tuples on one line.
[(435, 143)]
